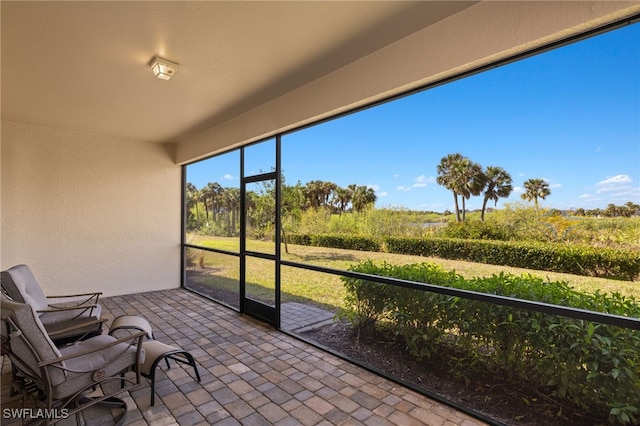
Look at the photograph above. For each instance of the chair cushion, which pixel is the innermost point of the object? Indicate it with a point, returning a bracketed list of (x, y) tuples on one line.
[(22, 286), (111, 361), (64, 316), (131, 322), (26, 319), (153, 350)]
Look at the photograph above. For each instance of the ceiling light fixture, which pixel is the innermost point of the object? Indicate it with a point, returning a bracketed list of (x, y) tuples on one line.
[(163, 68)]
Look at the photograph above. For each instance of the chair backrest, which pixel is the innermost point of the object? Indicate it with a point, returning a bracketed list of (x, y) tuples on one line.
[(21, 286), (28, 340)]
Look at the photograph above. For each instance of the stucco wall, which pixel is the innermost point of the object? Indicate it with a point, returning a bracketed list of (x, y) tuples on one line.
[(89, 212)]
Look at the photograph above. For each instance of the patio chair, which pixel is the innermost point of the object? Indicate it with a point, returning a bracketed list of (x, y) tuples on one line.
[(61, 379), (60, 315)]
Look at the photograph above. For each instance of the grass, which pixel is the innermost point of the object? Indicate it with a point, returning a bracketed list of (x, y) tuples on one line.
[(328, 290)]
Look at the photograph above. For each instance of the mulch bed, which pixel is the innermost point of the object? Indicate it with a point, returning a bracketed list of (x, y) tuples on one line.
[(491, 396)]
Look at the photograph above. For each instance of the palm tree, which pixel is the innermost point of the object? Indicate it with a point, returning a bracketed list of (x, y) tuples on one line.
[(612, 210), (318, 193), (632, 208), (447, 176), (215, 191), (470, 181), (498, 185), (342, 198), (232, 200), (229, 204), (205, 193), (193, 196), (534, 189), (362, 198)]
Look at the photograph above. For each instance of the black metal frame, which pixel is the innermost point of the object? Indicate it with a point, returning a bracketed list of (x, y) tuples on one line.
[(580, 314), (255, 308)]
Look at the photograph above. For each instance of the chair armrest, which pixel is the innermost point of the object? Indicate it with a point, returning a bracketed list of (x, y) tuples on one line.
[(97, 293), (85, 298), (80, 310), (54, 308), (130, 338)]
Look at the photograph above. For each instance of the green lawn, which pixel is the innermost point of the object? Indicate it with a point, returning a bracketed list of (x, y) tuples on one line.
[(326, 289)]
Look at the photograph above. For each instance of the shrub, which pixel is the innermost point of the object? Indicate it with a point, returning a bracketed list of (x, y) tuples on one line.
[(314, 221), (595, 366)]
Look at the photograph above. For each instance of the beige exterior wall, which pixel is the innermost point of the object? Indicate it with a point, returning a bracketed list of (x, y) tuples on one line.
[(479, 35), (89, 212)]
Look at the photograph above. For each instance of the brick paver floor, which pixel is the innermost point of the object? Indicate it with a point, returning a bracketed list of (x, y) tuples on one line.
[(253, 375), (300, 317)]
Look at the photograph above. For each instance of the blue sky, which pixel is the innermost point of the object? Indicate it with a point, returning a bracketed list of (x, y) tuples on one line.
[(570, 116)]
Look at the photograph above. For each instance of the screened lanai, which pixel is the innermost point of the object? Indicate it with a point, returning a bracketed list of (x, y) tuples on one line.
[(96, 152)]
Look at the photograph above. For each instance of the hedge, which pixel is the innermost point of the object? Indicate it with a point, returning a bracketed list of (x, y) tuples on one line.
[(572, 259), (347, 242), (567, 258), (595, 366)]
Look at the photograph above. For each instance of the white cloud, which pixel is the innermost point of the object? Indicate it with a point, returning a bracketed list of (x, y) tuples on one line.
[(227, 177), (606, 189), (518, 189), (551, 185), (615, 180), (403, 188), (626, 193), (382, 194), (615, 184), (422, 181), (616, 189)]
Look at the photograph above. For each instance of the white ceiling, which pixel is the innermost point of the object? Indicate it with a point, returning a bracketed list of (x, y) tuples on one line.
[(84, 65)]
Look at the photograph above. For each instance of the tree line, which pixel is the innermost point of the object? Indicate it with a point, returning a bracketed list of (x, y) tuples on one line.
[(627, 210), (323, 194), (462, 176), (221, 204)]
